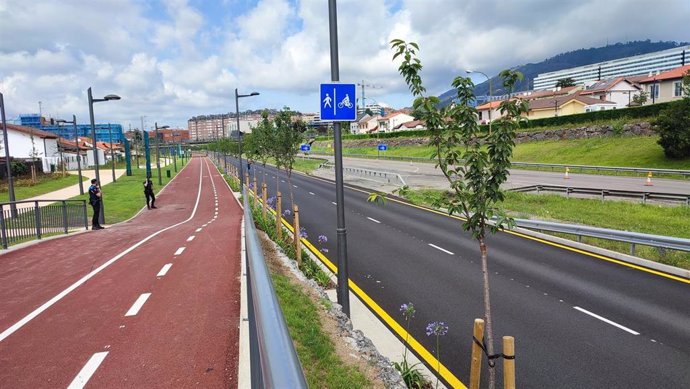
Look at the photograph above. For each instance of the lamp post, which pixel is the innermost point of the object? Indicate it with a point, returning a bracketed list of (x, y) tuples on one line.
[(490, 93), (101, 217), (239, 133), (76, 143), (8, 169), (158, 159)]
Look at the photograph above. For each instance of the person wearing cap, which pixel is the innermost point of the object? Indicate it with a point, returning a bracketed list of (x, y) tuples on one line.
[(95, 201), (148, 192)]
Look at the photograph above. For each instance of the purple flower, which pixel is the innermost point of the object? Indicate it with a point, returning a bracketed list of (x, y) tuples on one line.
[(437, 328), (287, 213), (408, 310), (303, 233), (271, 202), (323, 239), (323, 250)]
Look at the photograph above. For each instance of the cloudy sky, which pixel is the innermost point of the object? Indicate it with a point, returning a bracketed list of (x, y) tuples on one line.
[(170, 60)]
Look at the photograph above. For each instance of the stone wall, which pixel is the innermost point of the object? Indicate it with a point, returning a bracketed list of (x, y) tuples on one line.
[(598, 131)]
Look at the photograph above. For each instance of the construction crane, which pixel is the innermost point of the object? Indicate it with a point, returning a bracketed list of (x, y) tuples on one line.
[(364, 85)]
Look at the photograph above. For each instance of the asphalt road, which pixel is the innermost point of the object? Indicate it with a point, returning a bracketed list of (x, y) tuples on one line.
[(425, 175), (578, 320), (149, 303)]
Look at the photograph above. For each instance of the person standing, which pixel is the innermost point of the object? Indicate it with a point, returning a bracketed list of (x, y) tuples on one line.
[(95, 201), (148, 192)]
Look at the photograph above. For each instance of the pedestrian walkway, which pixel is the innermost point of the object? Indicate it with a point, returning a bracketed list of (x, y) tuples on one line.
[(151, 302)]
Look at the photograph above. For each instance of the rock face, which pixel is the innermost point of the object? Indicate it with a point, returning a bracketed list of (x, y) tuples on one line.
[(597, 131)]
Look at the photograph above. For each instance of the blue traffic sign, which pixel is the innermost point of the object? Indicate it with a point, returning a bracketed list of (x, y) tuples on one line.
[(338, 102), (305, 148), (383, 147)]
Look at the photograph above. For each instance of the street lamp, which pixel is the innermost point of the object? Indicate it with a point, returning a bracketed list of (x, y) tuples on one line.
[(158, 160), (76, 142), (101, 217), (490, 93), (239, 133), (8, 170)]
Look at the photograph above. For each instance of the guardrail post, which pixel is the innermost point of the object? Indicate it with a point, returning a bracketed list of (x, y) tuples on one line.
[(263, 197), (3, 227), (64, 216), (37, 215), (508, 362), (279, 216), (476, 363), (298, 242), (632, 249), (86, 215)]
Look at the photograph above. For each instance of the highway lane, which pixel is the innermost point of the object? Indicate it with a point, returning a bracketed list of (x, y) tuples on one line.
[(579, 321)]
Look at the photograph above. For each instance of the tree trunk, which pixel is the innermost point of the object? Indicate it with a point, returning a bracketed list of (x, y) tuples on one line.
[(487, 311)]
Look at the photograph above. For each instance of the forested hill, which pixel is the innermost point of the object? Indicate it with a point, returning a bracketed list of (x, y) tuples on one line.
[(571, 59)]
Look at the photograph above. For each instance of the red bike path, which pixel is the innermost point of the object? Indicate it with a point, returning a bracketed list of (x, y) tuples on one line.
[(64, 302)]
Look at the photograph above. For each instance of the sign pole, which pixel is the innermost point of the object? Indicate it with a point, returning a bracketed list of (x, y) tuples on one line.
[(343, 289)]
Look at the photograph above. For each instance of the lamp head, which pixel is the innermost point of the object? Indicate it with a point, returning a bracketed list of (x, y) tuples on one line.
[(469, 71), (254, 94), (111, 97), (163, 127)]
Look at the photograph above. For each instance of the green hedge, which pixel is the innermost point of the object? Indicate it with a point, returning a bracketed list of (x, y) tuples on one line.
[(645, 111)]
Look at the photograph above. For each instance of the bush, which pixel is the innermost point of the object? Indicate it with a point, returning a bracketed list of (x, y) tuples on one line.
[(673, 126)]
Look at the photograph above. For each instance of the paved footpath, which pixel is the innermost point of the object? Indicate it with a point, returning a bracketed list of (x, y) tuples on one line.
[(153, 302)]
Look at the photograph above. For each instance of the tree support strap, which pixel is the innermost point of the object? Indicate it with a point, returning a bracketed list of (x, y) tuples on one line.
[(491, 358)]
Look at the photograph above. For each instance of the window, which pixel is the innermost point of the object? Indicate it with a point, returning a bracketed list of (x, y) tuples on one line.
[(654, 91), (677, 89)]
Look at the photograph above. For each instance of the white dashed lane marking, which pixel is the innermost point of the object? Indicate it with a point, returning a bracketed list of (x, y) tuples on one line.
[(198, 230), (334, 203), (440, 248), (138, 304), (374, 220), (179, 251), (311, 193), (87, 371), (164, 270), (191, 238), (605, 320)]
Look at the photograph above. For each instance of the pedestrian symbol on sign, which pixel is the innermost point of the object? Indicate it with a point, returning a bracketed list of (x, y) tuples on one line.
[(327, 101), (335, 102)]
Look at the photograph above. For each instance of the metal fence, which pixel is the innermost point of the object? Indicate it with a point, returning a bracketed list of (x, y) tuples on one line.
[(633, 238), (274, 362), (21, 221), (604, 193)]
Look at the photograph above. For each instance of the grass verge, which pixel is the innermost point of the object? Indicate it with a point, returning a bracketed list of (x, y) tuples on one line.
[(124, 198), (619, 215), (25, 189)]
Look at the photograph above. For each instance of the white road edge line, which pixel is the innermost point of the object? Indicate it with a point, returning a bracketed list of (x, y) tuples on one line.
[(164, 270), (605, 320), (179, 251), (138, 304), (97, 270), (191, 238), (442, 249), (374, 220), (87, 371)]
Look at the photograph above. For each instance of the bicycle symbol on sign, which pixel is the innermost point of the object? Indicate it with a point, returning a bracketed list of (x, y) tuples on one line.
[(346, 102)]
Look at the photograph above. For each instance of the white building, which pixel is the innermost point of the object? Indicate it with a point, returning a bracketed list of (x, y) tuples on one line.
[(389, 122), (630, 66), (618, 90), (43, 147)]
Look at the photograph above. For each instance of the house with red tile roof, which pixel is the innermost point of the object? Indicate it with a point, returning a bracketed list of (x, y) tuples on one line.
[(30, 143), (566, 105), (389, 122), (666, 86), (619, 90)]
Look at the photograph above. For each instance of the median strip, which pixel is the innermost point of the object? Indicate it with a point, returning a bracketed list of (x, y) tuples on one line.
[(605, 320)]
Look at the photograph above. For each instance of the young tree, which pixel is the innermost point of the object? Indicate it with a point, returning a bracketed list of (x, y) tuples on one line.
[(286, 141), (262, 139), (673, 125), (565, 82), (639, 99), (475, 162)]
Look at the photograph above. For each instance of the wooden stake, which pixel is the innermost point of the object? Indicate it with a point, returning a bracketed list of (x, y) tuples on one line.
[(298, 242), (476, 364), (279, 216), (246, 180), (263, 197), (256, 193), (509, 364)]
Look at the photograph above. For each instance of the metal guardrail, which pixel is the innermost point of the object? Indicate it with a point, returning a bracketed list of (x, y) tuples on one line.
[(21, 221), (634, 238), (274, 362), (374, 173), (603, 193), (552, 166)]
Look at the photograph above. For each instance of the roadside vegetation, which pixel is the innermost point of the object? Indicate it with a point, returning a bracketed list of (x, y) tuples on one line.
[(619, 215), (124, 198), (24, 188)]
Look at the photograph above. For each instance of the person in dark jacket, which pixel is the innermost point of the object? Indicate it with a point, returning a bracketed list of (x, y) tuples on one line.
[(148, 192), (95, 201)]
